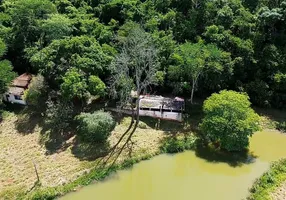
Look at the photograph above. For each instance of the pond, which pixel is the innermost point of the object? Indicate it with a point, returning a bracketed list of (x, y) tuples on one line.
[(190, 175)]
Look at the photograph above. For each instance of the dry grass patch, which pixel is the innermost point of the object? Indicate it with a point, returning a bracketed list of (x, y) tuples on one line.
[(19, 149)]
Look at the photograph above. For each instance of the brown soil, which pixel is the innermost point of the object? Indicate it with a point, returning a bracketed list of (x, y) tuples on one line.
[(280, 193)]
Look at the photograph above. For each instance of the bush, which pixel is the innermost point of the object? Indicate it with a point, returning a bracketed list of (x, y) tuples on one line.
[(281, 126), (175, 145), (96, 86), (35, 91), (59, 115), (229, 120), (95, 127)]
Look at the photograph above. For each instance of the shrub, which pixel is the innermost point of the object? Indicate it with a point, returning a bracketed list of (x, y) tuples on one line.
[(96, 86), (95, 127), (35, 91), (229, 120), (59, 115), (281, 126), (175, 145)]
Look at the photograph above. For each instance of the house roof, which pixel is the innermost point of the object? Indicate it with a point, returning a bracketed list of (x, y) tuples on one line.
[(22, 81), (16, 91), (158, 102)]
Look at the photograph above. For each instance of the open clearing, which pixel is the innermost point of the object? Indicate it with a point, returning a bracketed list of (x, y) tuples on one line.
[(19, 150)]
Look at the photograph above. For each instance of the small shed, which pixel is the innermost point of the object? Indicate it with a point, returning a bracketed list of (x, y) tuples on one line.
[(16, 90), (162, 107)]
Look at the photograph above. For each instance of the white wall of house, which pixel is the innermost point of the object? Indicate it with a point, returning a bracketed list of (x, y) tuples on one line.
[(12, 99), (162, 115)]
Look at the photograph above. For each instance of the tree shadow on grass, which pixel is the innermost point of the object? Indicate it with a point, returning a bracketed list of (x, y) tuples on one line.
[(28, 120), (56, 140), (233, 159), (89, 151)]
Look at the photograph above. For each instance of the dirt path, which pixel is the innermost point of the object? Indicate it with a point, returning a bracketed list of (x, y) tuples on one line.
[(280, 193)]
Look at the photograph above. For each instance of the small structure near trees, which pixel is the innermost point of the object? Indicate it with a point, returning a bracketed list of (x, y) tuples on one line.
[(157, 107), (19, 85), (162, 107)]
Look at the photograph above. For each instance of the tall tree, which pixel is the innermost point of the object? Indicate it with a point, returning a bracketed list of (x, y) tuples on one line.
[(6, 73), (134, 68), (193, 60)]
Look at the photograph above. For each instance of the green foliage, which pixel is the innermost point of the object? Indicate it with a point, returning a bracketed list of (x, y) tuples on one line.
[(6, 73), (81, 52), (95, 127), (59, 115), (178, 144), (96, 86), (194, 60), (281, 126), (26, 16), (268, 182), (56, 27), (74, 85), (35, 91), (229, 121)]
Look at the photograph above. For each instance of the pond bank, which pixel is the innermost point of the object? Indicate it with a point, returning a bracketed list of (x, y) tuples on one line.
[(268, 186), (191, 173)]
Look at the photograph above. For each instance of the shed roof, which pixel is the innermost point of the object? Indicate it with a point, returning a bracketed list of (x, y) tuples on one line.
[(22, 81), (158, 102), (16, 91)]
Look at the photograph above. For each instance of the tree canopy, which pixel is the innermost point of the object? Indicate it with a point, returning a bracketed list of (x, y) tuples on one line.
[(243, 43), (229, 120)]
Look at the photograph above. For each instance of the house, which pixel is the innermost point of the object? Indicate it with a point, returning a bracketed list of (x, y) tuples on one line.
[(162, 107), (16, 90), (155, 106)]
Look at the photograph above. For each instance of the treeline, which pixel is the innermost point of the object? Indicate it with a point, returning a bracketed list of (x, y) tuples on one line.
[(202, 46)]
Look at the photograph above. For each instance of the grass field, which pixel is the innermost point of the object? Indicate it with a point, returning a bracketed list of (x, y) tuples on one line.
[(61, 158), (24, 140)]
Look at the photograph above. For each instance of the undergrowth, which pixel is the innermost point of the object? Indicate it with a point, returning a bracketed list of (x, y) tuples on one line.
[(269, 181), (178, 144)]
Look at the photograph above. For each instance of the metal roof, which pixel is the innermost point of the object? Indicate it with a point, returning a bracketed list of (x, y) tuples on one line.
[(159, 102), (22, 81)]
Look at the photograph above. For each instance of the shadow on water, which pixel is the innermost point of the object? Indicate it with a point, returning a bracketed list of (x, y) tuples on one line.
[(234, 159)]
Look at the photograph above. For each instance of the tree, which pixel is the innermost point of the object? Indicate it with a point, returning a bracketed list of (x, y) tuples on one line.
[(95, 127), (35, 91), (96, 86), (135, 68), (82, 52), (26, 16), (193, 60), (229, 120), (56, 27), (136, 65), (6, 73), (74, 85)]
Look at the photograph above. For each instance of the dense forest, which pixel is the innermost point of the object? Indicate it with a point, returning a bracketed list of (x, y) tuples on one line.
[(200, 46)]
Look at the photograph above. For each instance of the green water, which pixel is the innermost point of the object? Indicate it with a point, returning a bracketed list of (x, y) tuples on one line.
[(190, 175)]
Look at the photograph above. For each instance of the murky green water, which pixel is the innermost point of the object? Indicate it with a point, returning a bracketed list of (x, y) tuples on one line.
[(190, 175)]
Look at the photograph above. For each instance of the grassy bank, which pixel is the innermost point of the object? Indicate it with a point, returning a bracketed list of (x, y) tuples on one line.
[(96, 174), (269, 182), (64, 163), (169, 145)]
